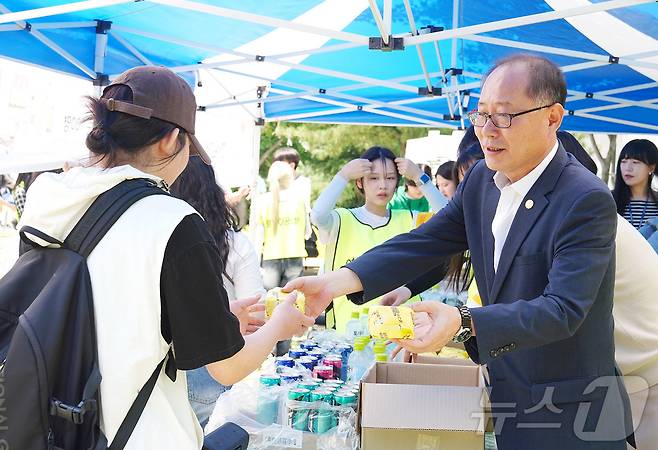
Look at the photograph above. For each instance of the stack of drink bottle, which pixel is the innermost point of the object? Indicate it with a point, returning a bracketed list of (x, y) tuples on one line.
[(311, 394), (317, 394), (314, 403)]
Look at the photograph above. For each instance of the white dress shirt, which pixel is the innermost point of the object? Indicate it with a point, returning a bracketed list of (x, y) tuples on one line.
[(511, 196)]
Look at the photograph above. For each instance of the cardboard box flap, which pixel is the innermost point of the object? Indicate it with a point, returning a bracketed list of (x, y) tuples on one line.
[(422, 407), (425, 374), (424, 359)]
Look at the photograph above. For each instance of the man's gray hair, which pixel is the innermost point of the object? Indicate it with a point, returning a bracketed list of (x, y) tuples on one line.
[(546, 82)]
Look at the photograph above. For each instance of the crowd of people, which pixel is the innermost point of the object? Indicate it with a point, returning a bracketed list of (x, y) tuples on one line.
[(558, 271)]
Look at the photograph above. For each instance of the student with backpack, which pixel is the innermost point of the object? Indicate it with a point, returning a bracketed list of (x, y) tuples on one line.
[(154, 275)]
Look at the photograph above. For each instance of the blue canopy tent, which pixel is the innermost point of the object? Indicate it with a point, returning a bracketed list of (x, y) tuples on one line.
[(384, 62)]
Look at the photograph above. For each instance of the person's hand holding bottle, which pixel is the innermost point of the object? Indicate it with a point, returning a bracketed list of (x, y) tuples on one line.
[(289, 321)]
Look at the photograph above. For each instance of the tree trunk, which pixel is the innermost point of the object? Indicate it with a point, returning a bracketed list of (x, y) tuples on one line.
[(264, 156), (609, 166)]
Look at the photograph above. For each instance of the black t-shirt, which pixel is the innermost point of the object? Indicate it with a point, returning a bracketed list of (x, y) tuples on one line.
[(195, 308)]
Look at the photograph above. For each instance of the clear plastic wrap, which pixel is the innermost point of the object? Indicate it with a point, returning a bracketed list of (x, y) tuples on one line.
[(249, 405)]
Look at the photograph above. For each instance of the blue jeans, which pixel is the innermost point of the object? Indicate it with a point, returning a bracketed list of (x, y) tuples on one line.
[(277, 272), (202, 392)]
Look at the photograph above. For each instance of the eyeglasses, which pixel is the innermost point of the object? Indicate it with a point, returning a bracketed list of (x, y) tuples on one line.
[(500, 120)]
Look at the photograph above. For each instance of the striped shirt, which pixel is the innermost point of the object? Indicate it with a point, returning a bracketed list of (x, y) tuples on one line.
[(637, 212)]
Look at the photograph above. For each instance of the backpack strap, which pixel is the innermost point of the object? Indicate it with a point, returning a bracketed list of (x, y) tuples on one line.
[(84, 237), (130, 421), (105, 211), (27, 231)]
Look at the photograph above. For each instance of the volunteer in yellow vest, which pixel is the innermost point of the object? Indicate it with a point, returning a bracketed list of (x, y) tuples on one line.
[(283, 216), (348, 233), (459, 275)]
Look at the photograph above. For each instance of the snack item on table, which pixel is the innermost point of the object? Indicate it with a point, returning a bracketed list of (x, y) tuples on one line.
[(391, 322), (275, 296)]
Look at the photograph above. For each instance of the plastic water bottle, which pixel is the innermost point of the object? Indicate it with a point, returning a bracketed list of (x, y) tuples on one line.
[(369, 351), (364, 319), (379, 347), (357, 364), (354, 327)]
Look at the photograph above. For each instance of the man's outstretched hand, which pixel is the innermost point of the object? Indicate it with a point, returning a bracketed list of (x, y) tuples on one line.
[(316, 292), (320, 290)]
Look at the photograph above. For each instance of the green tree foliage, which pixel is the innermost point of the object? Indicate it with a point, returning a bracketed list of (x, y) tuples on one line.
[(325, 149)]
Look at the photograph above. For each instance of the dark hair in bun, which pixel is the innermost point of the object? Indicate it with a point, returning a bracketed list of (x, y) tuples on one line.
[(114, 131)]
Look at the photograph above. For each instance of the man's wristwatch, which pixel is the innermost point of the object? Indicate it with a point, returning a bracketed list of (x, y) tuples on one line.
[(466, 330), (424, 179)]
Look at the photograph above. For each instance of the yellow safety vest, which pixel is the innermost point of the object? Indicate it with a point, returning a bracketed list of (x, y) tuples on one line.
[(473, 293), (288, 241), (353, 239)]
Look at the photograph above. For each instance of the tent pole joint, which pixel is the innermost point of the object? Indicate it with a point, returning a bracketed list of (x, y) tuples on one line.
[(260, 58), (429, 29), (394, 43), (453, 72), (102, 79), (613, 59), (436, 91), (103, 26), (259, 122), (28, 27)]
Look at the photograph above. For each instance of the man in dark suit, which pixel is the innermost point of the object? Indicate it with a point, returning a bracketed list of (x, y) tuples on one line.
[(540, 229)]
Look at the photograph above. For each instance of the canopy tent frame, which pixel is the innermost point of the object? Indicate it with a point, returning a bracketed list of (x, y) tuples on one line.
[(363, 102), (372, 107), (452, 92)]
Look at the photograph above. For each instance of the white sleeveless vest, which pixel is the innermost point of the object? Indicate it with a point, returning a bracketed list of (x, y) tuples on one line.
[(125, 275)]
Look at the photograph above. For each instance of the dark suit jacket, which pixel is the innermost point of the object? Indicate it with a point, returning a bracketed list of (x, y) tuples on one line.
[(546, 328)]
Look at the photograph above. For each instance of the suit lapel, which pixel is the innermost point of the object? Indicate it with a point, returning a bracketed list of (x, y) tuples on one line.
[(491, 197), (531, 208)]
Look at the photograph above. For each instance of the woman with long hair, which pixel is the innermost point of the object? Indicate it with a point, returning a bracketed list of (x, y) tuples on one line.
[(636, 201), (283, 217), (241, 276)]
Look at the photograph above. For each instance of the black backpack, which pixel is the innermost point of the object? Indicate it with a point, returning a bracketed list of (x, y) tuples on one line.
[(49, 375)]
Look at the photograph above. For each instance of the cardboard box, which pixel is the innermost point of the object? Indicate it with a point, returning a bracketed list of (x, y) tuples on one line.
[(435, 403)]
